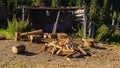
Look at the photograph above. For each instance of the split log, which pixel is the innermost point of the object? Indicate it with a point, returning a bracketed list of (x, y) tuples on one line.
[(62, 36), (18, 49), (63, 42), (35, 38), (89, 42), (82, 50), (2, 37), (36, 32), (67, 52), (58, 52)]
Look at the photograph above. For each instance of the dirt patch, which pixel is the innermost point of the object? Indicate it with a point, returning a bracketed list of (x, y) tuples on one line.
[(102, 56)]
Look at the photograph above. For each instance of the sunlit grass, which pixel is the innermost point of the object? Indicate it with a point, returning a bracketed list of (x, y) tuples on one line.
[(6, 33)]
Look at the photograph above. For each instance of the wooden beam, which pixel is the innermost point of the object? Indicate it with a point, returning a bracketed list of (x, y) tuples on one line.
[(55, 24), (23, 14)]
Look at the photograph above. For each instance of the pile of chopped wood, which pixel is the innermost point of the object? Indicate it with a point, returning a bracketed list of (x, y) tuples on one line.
[(65, 46)]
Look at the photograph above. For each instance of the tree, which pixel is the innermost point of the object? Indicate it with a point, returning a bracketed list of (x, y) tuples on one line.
[(93, 10), (54, 3), (79, 3)]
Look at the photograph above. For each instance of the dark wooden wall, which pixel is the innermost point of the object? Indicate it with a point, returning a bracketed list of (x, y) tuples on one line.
[(40, 20)]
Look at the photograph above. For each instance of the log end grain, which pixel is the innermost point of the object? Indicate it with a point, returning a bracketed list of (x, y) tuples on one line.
[(18, 49)]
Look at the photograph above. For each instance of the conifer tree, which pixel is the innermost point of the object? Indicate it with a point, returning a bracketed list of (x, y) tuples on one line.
[(54, 3)]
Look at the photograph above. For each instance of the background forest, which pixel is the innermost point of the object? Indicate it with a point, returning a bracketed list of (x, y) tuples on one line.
[(105, 14)]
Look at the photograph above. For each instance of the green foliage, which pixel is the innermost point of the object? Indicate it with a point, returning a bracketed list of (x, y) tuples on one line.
[(6, 33), (79, 33), (101, 33), (114, 15), (37, 2), (18, 26), (93, 10), (79, 3), (54, 3)]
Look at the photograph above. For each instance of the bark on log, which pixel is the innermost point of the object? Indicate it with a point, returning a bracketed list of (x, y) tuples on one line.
[(36, 32), (18, 49), (35, 38)]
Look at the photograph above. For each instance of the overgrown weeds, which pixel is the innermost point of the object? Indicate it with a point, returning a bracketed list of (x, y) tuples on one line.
[(16, 26)]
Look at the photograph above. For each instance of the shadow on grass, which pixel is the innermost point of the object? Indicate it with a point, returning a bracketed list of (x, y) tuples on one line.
[(28, 53), (100, 48)]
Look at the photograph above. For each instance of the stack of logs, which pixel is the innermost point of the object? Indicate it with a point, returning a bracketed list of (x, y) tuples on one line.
[(64, 45), (33, 36)]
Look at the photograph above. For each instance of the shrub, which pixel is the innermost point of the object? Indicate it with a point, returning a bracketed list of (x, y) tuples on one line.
[(79, 33), (102, 33), (17, 26)]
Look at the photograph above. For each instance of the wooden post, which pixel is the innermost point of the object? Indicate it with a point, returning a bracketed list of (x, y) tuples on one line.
[(55, 24), (84, 23)]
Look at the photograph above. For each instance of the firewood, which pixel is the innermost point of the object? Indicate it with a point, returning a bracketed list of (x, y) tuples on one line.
[(82, 50), (88, 42), (49, 36), (58, 52), (45, 35), (63, 42), (35, 38), (76, 55), (36, 32), (67, 51), (17, 36), (53, 50), (18, 49), (62, 35)]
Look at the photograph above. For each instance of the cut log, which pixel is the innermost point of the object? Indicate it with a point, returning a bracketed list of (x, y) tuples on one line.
[(45, 35), (18, 49), (67, 51), (35, 38), (2, 37), (17, 36), (62, 35), (58, 52), (49, 36), (81, 50), (36, 32), (89, 42)]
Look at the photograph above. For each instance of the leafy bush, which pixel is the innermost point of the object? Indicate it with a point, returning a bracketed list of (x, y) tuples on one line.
[(79, 33), (102, 33), (17, 26)]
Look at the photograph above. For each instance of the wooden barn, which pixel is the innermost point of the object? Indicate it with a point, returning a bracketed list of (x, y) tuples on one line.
[(58, 19)]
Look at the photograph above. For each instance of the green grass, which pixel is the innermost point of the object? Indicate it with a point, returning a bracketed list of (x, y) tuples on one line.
[(6, 33)]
